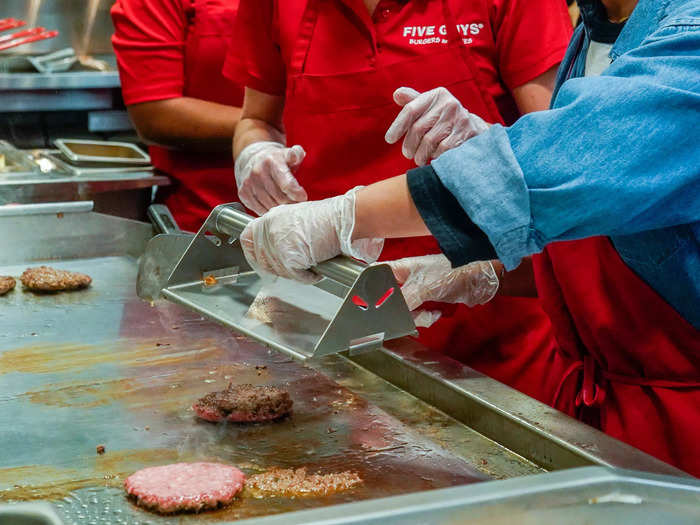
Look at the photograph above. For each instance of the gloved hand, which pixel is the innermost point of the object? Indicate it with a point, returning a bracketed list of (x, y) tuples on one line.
[(264, 175), (425, 318), (433, 123), (290, 239), (432, 278)]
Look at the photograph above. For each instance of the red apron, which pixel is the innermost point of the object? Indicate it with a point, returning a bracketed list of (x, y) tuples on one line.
[(202, 180), (635, 362), (340, 119)]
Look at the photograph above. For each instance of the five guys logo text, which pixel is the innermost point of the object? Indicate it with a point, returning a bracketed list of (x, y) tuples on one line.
[(422, 35)]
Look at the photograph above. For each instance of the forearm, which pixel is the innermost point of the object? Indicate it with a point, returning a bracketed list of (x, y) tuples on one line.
[(385, 209), (252, 130), (261, 120), (417, 204), (186, 123)]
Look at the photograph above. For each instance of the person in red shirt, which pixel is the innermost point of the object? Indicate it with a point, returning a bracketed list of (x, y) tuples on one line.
[(321, 83), (170, 55)]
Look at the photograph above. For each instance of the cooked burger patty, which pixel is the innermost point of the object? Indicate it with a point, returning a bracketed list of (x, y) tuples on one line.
[(6, 284), (184, 487), (296, 483), (244, 403), (47, 279)]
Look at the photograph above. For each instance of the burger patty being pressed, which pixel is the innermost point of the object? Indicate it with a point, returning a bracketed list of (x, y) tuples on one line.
[(6, 284), (244, 403), (47, 279), (184, 487)]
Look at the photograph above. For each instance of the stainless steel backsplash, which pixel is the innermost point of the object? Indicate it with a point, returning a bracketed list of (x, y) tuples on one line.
[(84, 25)]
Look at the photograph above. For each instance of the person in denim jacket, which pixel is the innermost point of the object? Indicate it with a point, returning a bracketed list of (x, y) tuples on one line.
[(604, 189)]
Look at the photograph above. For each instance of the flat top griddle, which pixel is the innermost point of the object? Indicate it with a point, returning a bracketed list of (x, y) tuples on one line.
[(100, 366)]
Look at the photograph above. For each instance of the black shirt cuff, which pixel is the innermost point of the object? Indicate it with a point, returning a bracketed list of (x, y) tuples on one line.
[(459, 238)]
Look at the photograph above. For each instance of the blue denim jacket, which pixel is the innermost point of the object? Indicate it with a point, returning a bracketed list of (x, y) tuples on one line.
[(617, 155)]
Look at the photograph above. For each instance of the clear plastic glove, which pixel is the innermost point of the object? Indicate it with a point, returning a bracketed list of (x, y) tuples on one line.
[(425, 318), (432, 278), (264, 175), (292, 238), (433, 122)]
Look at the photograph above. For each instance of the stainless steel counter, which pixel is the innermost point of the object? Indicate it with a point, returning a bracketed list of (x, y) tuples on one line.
[(81, 88), (70, 91), (56, 81), (40, 188), (125, 193)]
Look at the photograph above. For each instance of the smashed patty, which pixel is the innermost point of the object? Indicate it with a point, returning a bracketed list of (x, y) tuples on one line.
[(244, 403), (6, 284), (293, 483), (184, 487), (47, 279)]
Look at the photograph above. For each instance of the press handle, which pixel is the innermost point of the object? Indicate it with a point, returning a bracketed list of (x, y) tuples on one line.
[(162, 219), (342, 269)]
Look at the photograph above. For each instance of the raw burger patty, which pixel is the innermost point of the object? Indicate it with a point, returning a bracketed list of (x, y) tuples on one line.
[(244, 403), (6, 284), (183, 487), (46, 279)]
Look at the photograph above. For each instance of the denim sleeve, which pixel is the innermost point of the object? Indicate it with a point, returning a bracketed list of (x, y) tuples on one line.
[(459, 238), (617, 155)]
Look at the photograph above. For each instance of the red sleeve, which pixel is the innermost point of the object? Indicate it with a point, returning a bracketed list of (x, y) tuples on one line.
[(149, 41), (531, 37), (256, 60)]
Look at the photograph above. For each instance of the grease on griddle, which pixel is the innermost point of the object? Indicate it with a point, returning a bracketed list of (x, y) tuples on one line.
[(46, 482), (52, 358)]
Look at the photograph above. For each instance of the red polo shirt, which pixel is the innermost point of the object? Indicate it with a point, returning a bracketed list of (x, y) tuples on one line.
[(176, 48), (513, 41)]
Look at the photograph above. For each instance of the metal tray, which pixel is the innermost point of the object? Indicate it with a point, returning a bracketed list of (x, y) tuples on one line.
[(61, 164), (93, 152)]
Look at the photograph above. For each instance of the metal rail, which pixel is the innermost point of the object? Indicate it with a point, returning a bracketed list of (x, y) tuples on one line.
[(549, 438)]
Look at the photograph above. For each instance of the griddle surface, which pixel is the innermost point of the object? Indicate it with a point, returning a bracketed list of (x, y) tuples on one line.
[(99, 366)]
